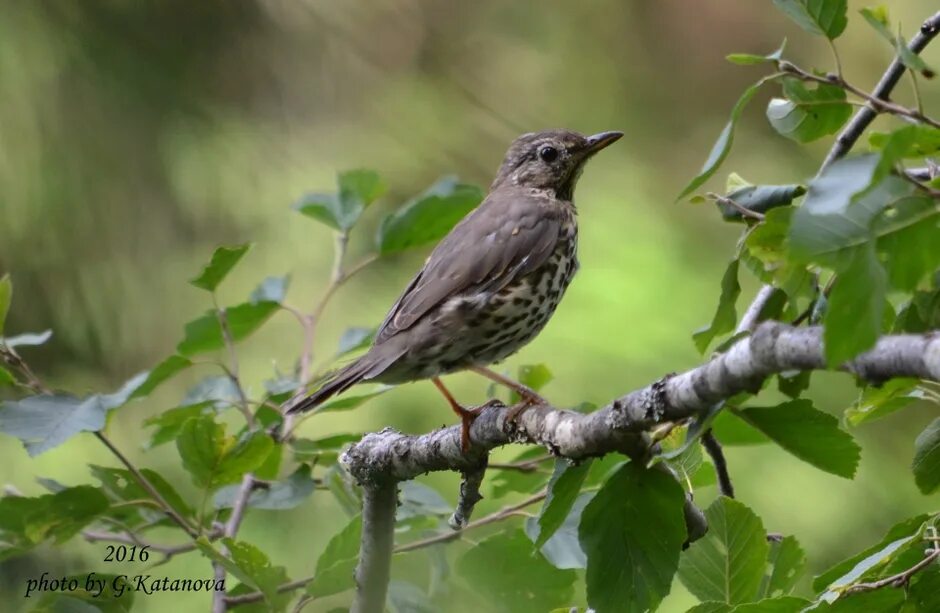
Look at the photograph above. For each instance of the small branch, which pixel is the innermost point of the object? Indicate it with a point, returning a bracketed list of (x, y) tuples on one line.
[(751, 316), (853, 131), (234, 601), (232, 369), (379, 502), (746, 212), (897, 580), (468, 497), (148, 487), (445, 537), (713, 447)]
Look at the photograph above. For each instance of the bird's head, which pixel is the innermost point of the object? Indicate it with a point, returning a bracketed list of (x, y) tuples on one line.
[(551, 160)]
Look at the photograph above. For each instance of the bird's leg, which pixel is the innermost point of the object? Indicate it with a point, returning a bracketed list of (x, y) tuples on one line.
[(529, 396), (466, 415)]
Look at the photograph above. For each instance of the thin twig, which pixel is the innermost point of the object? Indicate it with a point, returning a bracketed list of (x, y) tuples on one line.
[(445, 537), (746, 212), (148, 486), (713, 447), (232, 369), (895, 580)]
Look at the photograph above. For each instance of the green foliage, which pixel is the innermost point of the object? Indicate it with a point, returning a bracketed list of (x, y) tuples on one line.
[(223, 261), (6, 294), (496, 562), (822, 17), (806, 114), (759, 199), (927, 458), (335, 565), (206, 334), (286, 494), (632, 532), (26, 522), (251, 566), (563, 490), (342, 209), (725, 316), (727, 565), (807, 433), (428, 217), (214, 459)]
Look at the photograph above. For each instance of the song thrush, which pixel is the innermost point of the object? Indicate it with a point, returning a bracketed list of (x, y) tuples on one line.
[(491, 284)]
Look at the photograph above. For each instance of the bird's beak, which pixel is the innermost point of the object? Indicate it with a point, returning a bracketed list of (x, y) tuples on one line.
[(598, 141)]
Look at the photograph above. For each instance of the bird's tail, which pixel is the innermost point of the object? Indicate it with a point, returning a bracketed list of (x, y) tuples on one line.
[(368, 366)]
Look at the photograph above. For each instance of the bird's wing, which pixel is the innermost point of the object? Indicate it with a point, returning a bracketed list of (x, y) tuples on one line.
[(509, 235)]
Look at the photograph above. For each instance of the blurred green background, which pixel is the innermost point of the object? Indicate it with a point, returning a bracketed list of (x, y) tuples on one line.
[(136, 136)]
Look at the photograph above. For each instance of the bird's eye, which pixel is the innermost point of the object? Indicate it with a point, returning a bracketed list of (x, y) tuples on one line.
[(548, 154)]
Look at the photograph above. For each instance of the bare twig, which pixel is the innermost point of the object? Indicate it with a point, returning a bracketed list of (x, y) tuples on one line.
[(746, 212), (853, 131), (469, 495), (148, 487), (752, 315), (232, 369), (897, 580), (713, 447)]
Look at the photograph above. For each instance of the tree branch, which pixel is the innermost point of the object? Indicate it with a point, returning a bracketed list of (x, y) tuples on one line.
[(379, 501), (772, 348), (853, 131)]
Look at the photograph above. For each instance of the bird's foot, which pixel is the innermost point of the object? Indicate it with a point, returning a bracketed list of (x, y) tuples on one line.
[(467, 416), (528, 401)]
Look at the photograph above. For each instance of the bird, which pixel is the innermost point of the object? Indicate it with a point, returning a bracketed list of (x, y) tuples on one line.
[(490, 285)]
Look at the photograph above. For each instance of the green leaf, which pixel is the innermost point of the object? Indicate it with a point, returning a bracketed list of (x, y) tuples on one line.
[(877, 402), (910, 59), (877, 17), (511, 577), (59, 516), (869, 563), (632, 532), (821, 17), (214, 459), (805, 114), (347, 403), (794, 385), (47, 421), (279, 495), (924, 141), (336, 564), (249, 565), (160, 373), (727, 564), (839, 208), (925, 589), (360, 187), (205, 334), (725, 316), (306, 450), (855, 312), (6, 294), (906, 528), (506, 481), (341, 211), (787, 560), (807, 433), (27, 340), (223, 261), (217, 390), (759, 199), (563, 550), (732, 430), (882, 601), (910, 254), (418, 500), (563, 490), (535, 376), (748, 59), (767, 240), (169, 423), (354, 339), (122, 485), (427, 218), (723, 144), (271, 289), (6, 377), (785, 604), (926, 463)]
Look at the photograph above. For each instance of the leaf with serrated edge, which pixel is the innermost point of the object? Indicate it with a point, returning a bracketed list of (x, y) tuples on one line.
[(632, 532), (725, 317), (335, 564), (723, 144), (822, 17), (223, 261), (727, 564), (926, 464), (563, 490), (807, 433)]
